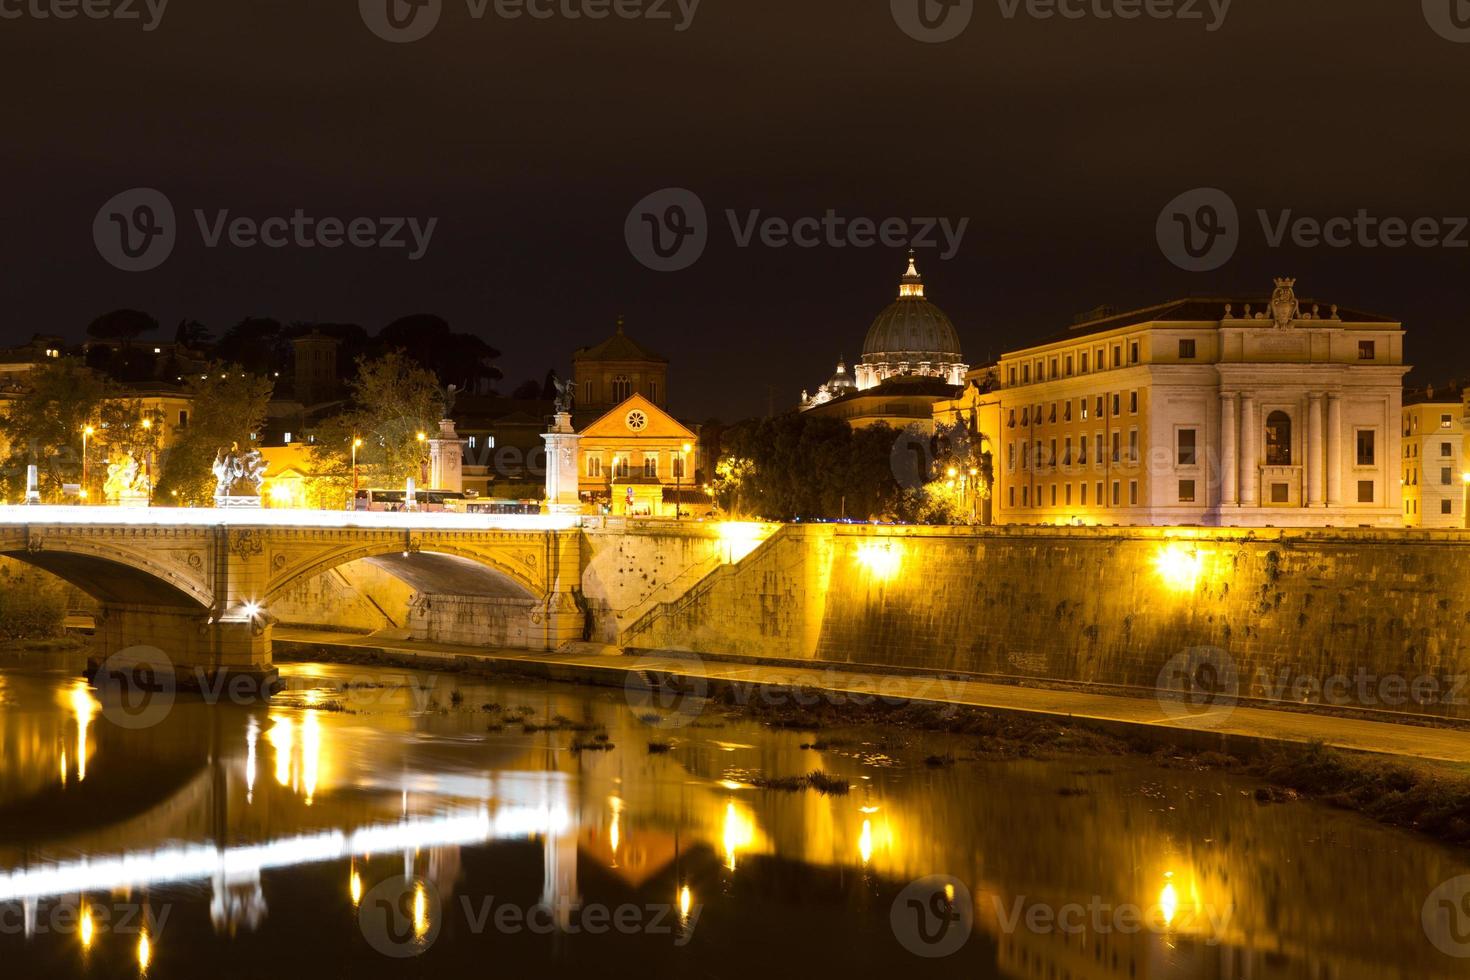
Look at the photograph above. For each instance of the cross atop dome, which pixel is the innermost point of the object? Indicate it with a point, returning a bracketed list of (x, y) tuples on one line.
[(911, 286)]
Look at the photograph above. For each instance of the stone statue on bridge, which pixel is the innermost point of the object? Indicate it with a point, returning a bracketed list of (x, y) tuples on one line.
[(238, 476), (566, 394), (126, 483)]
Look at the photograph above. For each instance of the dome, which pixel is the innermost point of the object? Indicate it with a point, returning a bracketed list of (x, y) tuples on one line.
[(912, 330), (841, 380)]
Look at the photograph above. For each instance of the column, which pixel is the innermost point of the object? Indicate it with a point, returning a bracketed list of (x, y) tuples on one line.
[(1314, 450), (1229, 459), (1249, 477), (1334, 449), (563, 462)]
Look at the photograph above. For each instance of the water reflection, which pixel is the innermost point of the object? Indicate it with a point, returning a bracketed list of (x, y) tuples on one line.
[(357, 792)]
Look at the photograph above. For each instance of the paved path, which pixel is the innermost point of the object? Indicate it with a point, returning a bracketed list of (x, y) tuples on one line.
[(1241, 727)]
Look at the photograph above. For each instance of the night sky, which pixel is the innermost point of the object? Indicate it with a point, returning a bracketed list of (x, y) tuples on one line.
[(531, 140)]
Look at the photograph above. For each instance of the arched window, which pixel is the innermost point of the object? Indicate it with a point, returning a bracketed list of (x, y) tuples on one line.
[(622, 388), (1278, 439)]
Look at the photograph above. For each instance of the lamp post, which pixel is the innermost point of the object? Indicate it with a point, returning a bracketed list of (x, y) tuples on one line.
[(356, 445), (148, 459), (87, 432), (679, 480), (1465, 502), (423, 461)]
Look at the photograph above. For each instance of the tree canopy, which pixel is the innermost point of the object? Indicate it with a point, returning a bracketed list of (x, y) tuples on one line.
[(44, 426), (229, 406)]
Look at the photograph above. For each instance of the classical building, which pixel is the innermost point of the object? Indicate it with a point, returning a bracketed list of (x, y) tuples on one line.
[(911, 360), (613, 371), (1435, 467), (1206, 411), (638, 460)]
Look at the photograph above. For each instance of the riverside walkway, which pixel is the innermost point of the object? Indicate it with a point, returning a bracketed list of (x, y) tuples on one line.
[(1237, 729)]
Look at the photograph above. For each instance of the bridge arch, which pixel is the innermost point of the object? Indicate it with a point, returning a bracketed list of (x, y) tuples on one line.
[(440, 567), (114, 575)]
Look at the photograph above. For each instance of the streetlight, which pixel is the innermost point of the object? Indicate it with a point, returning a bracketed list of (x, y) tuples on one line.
[(148, 459), (679, 479), (423, 461), (1464, 513), (87, 432), (356, 445)]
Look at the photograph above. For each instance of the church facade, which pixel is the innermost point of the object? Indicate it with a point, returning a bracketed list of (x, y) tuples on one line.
[(1206, 412)]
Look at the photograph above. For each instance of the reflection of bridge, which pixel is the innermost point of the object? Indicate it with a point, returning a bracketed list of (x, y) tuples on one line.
[(197, 584)]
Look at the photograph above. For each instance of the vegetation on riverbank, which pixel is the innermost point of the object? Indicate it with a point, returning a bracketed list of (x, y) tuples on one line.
[(32, 605)]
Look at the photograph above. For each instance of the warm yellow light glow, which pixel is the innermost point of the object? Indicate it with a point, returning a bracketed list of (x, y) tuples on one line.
[(252, 735), (686, 901), (615, 832), (89, 431), (86, 928), (882, 559), (422, 437), (145, 952), (687, 448), (952, 473), (420, 911), (865, 841), (311, 754), (147, 423), (354, 886), (1168, 903), (739, 832), (1179, 565), (357, 444), (1465, 477), (741, 538), (282, 737), (83, 707)]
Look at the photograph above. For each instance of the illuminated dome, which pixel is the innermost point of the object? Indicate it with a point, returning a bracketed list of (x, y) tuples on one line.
[(911, 337), (841, 381)]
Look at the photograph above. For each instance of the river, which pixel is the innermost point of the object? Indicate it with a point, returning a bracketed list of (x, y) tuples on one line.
[(382, 823)]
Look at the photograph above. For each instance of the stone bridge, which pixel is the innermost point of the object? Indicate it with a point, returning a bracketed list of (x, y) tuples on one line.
[(199, 584)]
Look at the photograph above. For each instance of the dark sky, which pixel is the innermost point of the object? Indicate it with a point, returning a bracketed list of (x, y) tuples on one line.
[(530, 141)]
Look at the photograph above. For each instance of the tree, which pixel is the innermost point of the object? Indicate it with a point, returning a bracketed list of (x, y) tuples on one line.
[(256, 344), (528, 390), (461, 358), (394, 401), (44, 426), (193, 335), (123, 325), (229, 408)]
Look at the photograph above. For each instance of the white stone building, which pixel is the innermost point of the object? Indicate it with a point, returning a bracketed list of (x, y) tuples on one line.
[(1206, 411)]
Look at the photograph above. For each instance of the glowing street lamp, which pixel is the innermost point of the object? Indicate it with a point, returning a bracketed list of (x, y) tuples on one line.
[(684, 451), (356, 445), (148, 460), (87, 433)]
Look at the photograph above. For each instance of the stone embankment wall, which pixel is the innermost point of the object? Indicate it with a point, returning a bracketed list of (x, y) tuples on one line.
[(1378, 611)]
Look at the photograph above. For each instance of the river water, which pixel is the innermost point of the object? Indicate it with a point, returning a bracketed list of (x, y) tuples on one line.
[(380, 823)]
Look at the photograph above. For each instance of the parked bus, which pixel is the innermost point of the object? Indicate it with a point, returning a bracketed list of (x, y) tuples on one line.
[(425, 501), (497, 506)]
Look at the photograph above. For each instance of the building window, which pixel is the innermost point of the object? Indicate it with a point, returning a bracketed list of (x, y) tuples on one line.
[(1187, 450), (1069, 495), (1013, 377), (622, 388), (1082, 489), (1133, 352), (1278, 439), (1099, 494), (1446, 507), (1132, 493), (1069, 365), (653, 392), (1082, 451), (1132, 403), (1053, 494), (1444, 476), (1025, 496), (1366, 447), (1445, 421), (1133, 446), (1054, 367), (183, 420), (1013, 496), (1186, 350), (650, 465), (1117, 405), (1084, 371), (1186, 491), (1026, 374), (1365, 491), (620, 467), (1082, 407), (594, 467), (1099, 455), (1366, 350), (1446, 449), (1051, 460), (1099, 412), (1052, 417), (1067, 410), (678, 466), (1117, 446)]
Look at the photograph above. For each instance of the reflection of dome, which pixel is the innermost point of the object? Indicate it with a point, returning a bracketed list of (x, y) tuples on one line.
[(911, 337)]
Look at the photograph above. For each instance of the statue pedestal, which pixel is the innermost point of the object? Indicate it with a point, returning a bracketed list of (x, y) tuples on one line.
[(563, 456), (446, 459), (129, 500), (237, 503)]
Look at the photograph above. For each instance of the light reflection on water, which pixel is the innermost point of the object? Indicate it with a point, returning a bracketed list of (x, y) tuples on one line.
[(264, 827)]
